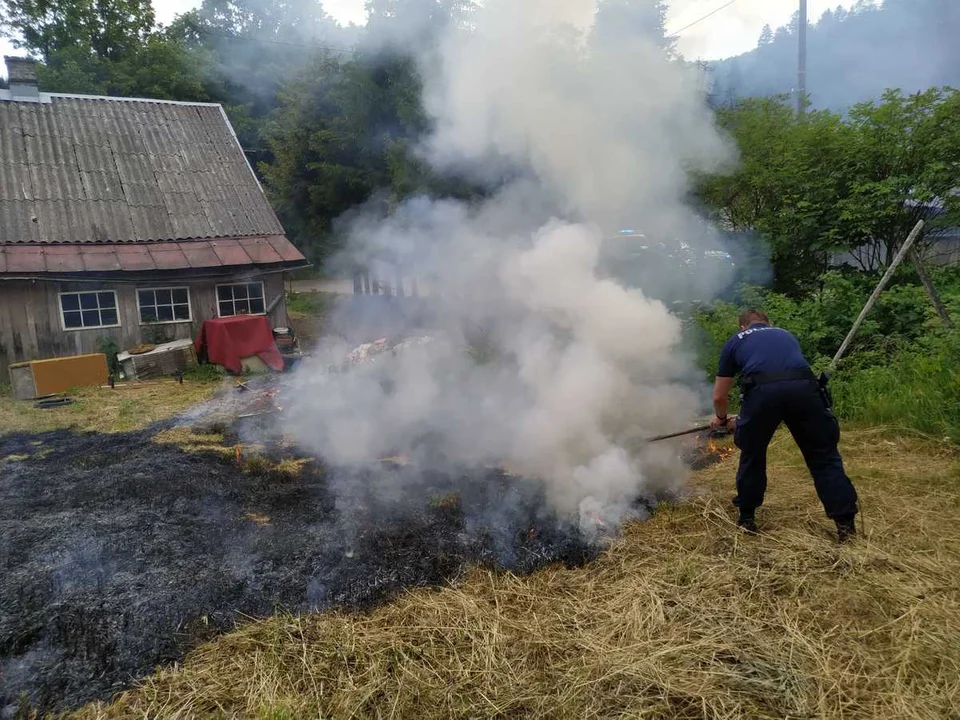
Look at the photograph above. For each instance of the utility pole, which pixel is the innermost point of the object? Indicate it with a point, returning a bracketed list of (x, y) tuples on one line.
[(802, 76)]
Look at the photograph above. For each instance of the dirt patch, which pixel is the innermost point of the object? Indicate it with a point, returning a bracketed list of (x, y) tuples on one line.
[(119, 554)]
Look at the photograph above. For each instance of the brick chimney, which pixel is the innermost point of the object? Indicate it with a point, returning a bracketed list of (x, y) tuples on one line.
[(22, 76)]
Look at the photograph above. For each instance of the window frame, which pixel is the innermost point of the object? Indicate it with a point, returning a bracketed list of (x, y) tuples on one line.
[(63, 318), (137, 291), (263, 294)]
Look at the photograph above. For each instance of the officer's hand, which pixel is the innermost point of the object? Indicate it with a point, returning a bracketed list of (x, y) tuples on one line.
[(732, 422), (718, 423)]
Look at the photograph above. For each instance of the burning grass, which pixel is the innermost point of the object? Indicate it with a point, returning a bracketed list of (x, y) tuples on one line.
[(681, 618)]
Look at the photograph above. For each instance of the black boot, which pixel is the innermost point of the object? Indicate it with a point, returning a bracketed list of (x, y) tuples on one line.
[(846, 528), (748, 522)]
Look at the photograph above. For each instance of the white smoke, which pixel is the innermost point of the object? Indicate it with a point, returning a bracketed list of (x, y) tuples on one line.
[(541, 365)]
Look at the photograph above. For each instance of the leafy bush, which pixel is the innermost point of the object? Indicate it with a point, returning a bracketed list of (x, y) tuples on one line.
[(204, 373), (108, 346)]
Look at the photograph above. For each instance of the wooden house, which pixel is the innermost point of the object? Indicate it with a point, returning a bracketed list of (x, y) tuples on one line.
[(129, 220)]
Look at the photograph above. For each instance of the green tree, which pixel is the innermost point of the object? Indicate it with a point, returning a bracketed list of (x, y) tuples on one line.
[(789, 176), (109, 29), (766, 36), (825, 184), (341, 133), (906, 167)]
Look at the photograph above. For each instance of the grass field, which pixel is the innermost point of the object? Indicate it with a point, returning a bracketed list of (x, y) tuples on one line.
[(682, 618), (128, 407)]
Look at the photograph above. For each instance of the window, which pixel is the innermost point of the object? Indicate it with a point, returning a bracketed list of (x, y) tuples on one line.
[(80, 310), (163, 305), (242, 299)]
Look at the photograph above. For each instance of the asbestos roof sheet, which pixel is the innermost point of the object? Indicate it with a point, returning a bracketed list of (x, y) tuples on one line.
[(38, 259), (108, 170)]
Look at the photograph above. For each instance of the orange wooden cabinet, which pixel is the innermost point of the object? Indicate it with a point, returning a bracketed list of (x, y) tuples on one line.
[(39, 378)]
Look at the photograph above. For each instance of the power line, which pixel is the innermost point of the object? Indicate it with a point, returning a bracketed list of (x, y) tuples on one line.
[(708, 15)]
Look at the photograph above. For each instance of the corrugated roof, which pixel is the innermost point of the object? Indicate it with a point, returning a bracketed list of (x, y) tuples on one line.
[(106, 170), (138, 257)]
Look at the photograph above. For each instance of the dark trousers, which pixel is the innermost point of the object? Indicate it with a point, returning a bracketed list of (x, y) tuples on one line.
[(797, 403)]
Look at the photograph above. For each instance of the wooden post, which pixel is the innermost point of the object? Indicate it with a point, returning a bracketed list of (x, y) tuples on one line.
[(931, 289), (876, 293)]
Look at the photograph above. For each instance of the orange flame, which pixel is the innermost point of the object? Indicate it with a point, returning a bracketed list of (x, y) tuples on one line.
[(723, 452), (596, 519)]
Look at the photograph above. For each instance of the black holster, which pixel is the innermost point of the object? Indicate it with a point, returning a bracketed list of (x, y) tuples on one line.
[(823, 383)]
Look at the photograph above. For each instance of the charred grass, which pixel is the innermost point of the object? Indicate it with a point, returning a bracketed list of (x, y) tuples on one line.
[(120, 552), (682, 618)]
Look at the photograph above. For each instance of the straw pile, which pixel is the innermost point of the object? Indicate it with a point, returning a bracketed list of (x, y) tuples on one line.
[(682, 618)]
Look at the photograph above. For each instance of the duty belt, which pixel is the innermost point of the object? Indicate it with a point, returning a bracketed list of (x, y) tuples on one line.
[(757, 379)]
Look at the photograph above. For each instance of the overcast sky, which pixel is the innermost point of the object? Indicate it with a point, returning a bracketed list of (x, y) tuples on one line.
[(731, 31)]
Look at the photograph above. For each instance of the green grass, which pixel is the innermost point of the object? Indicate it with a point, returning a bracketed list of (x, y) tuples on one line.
[(313, 304), (204, 373), (917, 388)]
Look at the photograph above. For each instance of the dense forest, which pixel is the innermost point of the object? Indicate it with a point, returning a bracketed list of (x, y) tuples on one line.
[(853, 55)]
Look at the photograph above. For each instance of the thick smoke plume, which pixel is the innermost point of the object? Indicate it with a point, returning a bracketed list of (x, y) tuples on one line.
[(538, 363)]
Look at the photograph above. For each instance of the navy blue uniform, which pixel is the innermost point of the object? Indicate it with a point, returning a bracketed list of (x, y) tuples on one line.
[(778, 386)]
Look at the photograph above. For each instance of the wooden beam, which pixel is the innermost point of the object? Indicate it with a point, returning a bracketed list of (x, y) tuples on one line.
[(931, 289)]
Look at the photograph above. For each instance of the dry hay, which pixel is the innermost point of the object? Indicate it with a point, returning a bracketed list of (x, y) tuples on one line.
[(682, 618)]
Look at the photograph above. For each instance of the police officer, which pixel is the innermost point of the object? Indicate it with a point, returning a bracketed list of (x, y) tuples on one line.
[(779, 386)]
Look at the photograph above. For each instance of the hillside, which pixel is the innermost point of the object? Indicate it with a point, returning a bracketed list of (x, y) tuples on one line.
[(852, 56)]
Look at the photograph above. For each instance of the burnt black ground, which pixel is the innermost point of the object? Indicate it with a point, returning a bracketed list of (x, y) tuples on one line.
[(119, 554)]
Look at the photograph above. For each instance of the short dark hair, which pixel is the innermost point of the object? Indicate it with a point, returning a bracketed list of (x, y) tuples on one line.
[(749, 317)]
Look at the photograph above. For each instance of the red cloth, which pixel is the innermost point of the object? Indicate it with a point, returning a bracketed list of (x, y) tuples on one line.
[(229, 339)]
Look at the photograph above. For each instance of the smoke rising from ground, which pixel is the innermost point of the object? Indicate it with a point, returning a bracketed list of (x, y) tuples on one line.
[(538, 362)]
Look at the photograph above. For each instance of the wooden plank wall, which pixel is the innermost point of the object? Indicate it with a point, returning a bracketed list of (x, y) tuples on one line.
[(30, 327)]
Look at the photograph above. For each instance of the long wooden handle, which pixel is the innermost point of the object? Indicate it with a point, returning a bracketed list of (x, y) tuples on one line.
[(692, 431)]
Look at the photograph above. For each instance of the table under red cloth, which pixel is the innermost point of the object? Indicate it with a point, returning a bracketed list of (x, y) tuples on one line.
[(229, 339)]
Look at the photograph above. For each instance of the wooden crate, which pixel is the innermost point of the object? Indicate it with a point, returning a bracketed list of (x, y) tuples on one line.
[(167, 359)]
